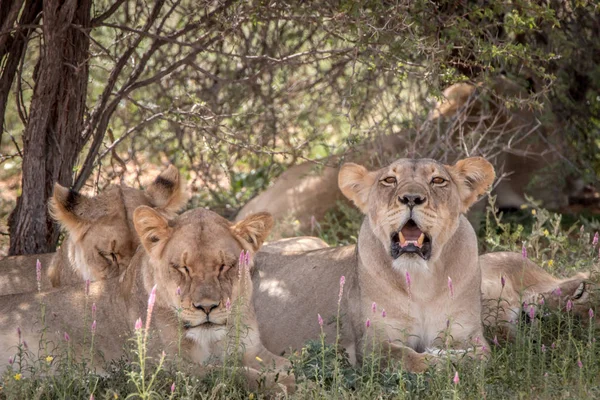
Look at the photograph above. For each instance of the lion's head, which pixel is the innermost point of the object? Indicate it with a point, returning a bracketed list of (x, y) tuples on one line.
[(193, 259), (100, 238), (413, 206)]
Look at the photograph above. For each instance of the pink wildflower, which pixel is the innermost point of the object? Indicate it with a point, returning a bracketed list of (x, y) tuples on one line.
[(67, 337), (173, 388), (569, 305), (228, 305), (579, 363), (25, 345), (241, 262), (368, 323), (92, 397), (524, 251), (496, 343), (456, 379), (38, 274), (320, 319), (178, 291), (374, 307), (151, 301), (383, 313), (543, 348), (19, 333), (93, 310), (138, 324), (553, 345), (591, 313), (247, 259), (342, 282), (408, 282), (11, 360), (502, 281), (87, 287), (94, 327), (557, 291), (542, 301), (531, 311), (450, 287), (595, 239)]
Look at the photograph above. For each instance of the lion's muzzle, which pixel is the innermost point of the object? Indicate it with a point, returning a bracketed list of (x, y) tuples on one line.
[(410, 239)]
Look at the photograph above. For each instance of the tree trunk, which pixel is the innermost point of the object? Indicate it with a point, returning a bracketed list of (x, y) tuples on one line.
[(13, 46), (52, 139)]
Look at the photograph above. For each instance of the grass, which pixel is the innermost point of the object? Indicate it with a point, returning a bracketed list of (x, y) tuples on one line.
[(554, 358)]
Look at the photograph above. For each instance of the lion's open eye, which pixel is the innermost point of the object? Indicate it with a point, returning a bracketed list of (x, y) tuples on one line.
[(390, 180), (438, 180)]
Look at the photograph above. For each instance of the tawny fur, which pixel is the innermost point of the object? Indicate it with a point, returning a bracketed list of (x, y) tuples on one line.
[(308, 283), (198, 240), (96, 229)]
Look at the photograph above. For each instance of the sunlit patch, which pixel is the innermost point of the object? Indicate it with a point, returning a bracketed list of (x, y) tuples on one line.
[(274, 288)]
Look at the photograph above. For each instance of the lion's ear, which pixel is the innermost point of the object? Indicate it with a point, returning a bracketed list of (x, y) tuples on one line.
[(68, 208), (151, 226), (168, 190), (474, 176), (254, 229), (355, 182)]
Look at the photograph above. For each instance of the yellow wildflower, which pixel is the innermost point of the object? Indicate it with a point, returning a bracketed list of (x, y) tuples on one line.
[(18, 377), (258, 359), (251, 397), (49, 359), (523, 206), (533, 212), (546, 233), (116, 396), (550, 263)]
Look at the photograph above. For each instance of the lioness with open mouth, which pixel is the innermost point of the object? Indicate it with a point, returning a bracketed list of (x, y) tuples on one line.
[(416, 258), (192, 261), (100, 239)]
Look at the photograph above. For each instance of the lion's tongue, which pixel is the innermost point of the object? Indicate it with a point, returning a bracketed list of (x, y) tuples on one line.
[(411, 234)]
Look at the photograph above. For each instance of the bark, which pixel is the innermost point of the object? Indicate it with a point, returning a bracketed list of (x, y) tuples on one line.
[(13, 45), (52, 139)]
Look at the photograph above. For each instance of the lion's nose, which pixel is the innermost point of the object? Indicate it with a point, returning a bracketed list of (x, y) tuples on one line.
[(412, 200), (206, 306)]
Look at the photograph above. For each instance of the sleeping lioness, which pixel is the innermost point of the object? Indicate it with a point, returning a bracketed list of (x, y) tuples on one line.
[(413, 240), (512, 284), (192, 261), (100, 238)]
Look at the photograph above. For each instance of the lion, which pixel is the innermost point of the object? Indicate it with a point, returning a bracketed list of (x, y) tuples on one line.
[(294, 245), (416, 258), (190, 264), (304, 191), (100, 239), (513, 285)]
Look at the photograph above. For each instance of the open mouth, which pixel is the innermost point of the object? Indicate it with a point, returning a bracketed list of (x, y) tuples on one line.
[(410, 240)]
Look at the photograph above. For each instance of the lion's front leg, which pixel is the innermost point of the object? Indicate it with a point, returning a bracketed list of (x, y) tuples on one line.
[(279, 382), (411, 360)]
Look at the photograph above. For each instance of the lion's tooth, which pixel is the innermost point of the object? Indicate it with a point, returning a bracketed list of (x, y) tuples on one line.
[(402, 240), (421, 239)]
